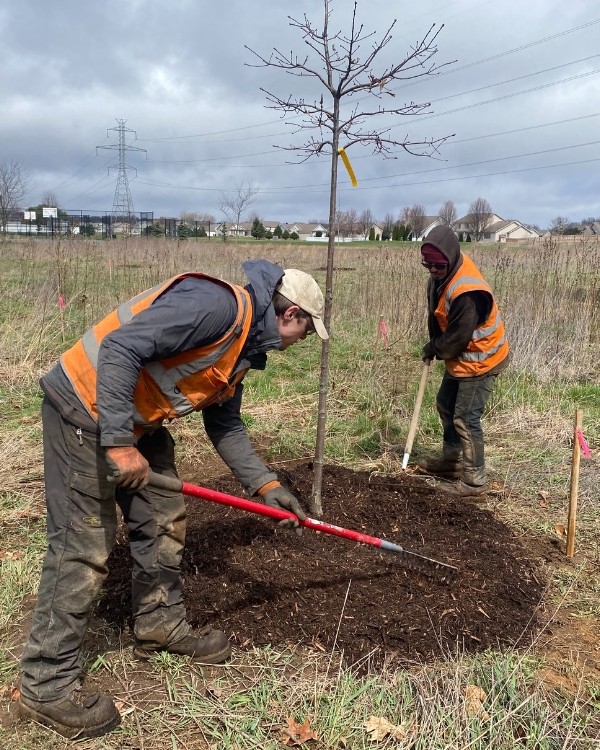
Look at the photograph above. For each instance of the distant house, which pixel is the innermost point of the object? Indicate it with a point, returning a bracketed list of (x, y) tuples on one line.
[(430, 223), (591, 230), (500, 230), (306, 231)]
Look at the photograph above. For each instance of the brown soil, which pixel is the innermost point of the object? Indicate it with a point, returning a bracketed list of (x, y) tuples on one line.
[(265, 585)]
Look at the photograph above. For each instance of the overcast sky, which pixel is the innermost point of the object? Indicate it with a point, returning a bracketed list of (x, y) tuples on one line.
[(176, 71)]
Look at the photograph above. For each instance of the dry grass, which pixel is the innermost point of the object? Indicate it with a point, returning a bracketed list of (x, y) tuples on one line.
[(548, 296)]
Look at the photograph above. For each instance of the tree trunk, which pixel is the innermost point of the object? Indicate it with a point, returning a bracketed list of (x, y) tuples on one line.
[(316, 506)]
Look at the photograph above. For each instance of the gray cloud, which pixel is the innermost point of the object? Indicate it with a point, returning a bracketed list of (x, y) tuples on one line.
[(176, 71)]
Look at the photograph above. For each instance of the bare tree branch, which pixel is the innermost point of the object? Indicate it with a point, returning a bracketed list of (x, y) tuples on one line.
[(479, 218), (447, 214), (14, 186), (235, 204)]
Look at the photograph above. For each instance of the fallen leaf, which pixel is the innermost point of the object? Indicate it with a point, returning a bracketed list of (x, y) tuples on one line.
[(343, 742), (543, 494), (543, 504), (474, 702), (16, 694), (10, 555), (214, 690), (379, 728), (496, 485), (119, 705), (298, 734), (560, 529)]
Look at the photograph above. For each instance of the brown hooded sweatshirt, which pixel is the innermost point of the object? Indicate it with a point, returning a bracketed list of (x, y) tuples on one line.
[(466, 312)]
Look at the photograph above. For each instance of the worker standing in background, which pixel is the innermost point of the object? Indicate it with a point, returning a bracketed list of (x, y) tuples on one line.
[(183, 346), (466, 331)]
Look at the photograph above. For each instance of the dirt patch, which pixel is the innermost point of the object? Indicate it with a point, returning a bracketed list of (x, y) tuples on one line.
[(265, 585)]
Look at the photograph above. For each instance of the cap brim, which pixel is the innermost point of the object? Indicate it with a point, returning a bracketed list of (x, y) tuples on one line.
[(320, 328)]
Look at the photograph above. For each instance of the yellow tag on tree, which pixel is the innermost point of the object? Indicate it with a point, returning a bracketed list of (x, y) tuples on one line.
[(348, 166)]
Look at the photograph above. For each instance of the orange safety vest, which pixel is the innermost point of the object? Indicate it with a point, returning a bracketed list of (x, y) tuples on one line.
[(189, 381), (489, 345)]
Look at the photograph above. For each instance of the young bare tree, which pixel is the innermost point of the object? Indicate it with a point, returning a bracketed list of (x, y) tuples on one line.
[(417, 220), (235, 203), (404, 216), (14, 186), (559, 224), (480, 217), (50, 199), (336, 61), (346, 222), (388, 226), (365, 222), (448, 214)]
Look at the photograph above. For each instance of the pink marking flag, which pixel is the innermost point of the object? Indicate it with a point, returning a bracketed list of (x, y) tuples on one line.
[(582, 442), (384, 333), (61, 302)]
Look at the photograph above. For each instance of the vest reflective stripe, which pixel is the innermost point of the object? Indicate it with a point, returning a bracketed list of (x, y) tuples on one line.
[(488, 345), (173, 387), (482, 356), (470, 281), (167, 379), (481, 333)]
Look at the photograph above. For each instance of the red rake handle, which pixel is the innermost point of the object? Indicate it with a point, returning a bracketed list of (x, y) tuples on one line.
[(176, 485)]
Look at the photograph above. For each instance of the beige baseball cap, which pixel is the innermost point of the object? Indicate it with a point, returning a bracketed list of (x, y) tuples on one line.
[(301, 289)]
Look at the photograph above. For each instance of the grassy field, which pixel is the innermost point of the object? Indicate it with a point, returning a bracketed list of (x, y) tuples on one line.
[(547, 696)]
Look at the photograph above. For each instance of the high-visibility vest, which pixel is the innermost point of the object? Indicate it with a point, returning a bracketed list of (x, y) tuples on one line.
[(489, 345), (173, 387)]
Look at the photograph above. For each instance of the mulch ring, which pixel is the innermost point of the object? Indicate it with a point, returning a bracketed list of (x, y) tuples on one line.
[(265, 585)]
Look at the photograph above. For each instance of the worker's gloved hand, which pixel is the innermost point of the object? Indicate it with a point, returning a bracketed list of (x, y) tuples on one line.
[(278, 497), (428, 353), (130, 468)]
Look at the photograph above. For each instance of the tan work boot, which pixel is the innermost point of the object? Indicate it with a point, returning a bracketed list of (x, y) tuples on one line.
[(210, 647), (441, 467), (462, 489), (73, 716)]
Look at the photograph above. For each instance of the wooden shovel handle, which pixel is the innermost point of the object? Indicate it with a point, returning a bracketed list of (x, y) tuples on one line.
[(415, 416)]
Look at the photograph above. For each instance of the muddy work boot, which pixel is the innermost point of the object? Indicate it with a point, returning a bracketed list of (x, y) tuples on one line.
[(209, 647), (462, 489), (73, 716), (441, 467)]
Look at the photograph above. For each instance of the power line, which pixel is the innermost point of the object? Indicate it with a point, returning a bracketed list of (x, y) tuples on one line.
[(498, 55), (512, 80), (498, 98), (366, 156), (486, 161), (412, 83), (426, 117), (376, 187)]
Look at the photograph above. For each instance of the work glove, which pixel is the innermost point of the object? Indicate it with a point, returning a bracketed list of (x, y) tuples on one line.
[(428, 353), (278, 497), (130, 468)]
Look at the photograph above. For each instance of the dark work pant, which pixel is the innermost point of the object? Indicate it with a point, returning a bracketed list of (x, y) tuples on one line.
[(81, 528), (460, 404)]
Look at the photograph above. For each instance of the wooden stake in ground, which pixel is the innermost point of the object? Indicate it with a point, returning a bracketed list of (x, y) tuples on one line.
[(574, 484)]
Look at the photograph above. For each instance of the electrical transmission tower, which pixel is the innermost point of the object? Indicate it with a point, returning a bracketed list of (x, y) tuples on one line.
[(122, 204)]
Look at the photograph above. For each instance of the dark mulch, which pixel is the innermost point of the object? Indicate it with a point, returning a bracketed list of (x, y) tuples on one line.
[(266, 585)]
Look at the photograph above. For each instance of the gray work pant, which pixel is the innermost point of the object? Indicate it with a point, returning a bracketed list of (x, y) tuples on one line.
[(81, 527), (460, 404)]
